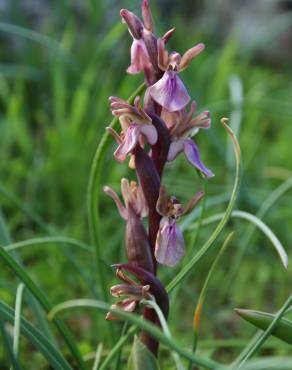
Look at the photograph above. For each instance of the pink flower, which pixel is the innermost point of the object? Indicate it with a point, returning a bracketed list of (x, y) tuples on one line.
[(170, 91), (133, 197), (182, 127), (131, 137), (139, 57), (170, 246), (136, 126)]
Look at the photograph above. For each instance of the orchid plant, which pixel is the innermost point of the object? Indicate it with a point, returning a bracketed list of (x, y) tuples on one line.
[(154, 130)]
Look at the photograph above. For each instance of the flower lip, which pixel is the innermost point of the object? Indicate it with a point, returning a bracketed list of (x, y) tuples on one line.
[(169, 247), (170, 92)]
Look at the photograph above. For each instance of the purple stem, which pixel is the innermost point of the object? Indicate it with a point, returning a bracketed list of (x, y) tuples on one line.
[(149, 171)]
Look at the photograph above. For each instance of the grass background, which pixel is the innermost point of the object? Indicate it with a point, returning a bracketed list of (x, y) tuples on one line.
[(59, 62)]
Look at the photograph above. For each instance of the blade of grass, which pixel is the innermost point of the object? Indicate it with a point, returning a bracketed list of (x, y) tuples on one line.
[(266, 205), (259, 224), (165, 329), (142, 324), (189, 266), (117, 347), (48, 241), (32, 302), (4, 232), (16, 331), (261, 320), (263, 337), (269, 363), (50, 352), (201, 299), (97, 357), (119, 354), (7, 345), (45, 304)]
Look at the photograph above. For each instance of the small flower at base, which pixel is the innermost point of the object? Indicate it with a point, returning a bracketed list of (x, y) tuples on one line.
[(169, 246)]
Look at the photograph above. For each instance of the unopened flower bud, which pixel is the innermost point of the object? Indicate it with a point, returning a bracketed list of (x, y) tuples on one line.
[(134, 24)]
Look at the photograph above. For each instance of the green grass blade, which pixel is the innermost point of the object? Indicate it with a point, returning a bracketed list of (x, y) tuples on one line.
[(142, 324), (45, 304), (264, 336), (7, 345), (16, 331), (97, 357), (264, 208), (262, 320), (116, 348), (48, 241), (269, 363), (93, 197), (50, 352), (259, 224), (4, 232), (165, 329), (201, 299), (189, 266)]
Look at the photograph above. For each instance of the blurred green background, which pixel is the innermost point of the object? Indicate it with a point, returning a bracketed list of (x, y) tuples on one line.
[(59, 62)]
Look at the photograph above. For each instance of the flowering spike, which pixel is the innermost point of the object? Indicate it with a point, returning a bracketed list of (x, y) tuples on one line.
[(150, 136)]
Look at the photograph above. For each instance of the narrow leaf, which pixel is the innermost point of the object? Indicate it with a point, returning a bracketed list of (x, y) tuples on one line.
[(49, 351), (262, 320)]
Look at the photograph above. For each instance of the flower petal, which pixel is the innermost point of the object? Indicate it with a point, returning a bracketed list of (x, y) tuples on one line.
[(189, 55), (175, 148), (127, 305), (149, 131), (169, 248), (139, 57), (170, 92), (129, 142), (122, 210), (193, 156)]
